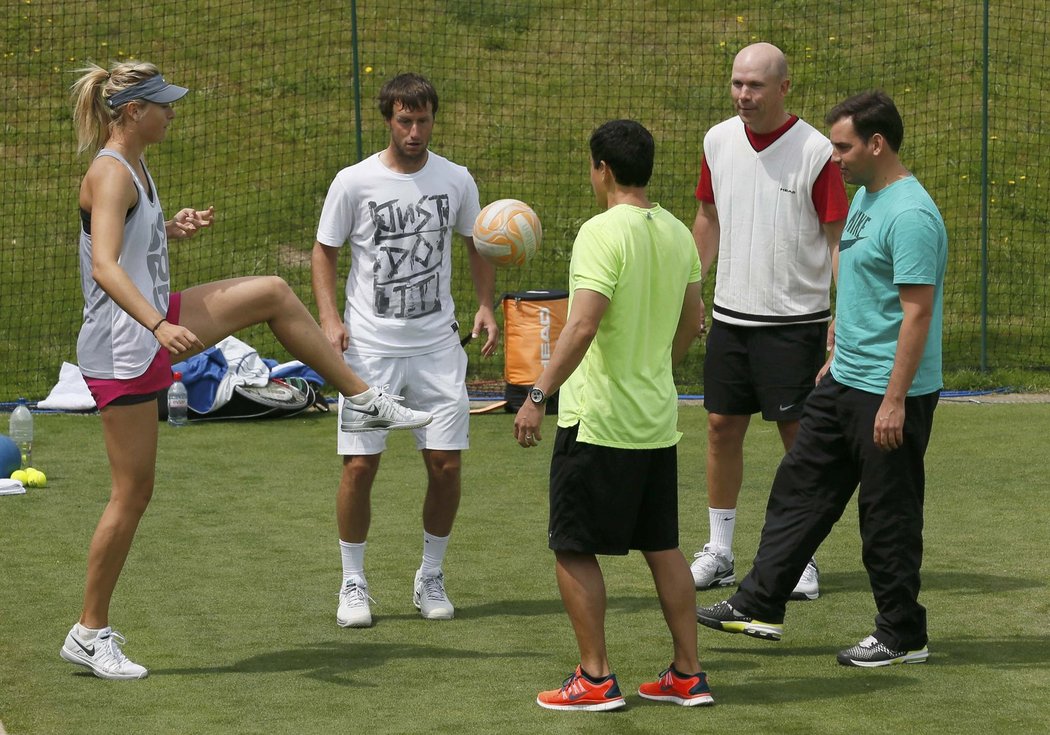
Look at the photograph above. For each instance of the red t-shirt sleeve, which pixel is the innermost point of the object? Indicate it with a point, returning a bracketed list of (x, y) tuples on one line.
[(829, 194), (705, 192)]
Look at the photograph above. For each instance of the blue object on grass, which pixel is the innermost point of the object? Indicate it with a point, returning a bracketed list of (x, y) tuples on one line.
[(10, 456)]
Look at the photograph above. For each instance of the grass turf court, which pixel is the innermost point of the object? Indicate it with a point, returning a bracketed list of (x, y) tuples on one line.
[(229, 595)]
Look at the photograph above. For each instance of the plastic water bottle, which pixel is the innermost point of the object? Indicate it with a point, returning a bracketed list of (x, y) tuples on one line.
[(178, 402), (21, 431)]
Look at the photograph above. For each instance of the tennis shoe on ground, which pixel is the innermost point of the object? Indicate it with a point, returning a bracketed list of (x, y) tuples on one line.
[(384, 411), (430, 598), (808, 587), (870, 653), (686, 690), (102, 655), (711, 569), (580, 693), (725, 618), (354, 610)]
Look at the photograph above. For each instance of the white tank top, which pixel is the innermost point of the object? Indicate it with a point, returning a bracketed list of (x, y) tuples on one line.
[(774, 266), (111, 343)]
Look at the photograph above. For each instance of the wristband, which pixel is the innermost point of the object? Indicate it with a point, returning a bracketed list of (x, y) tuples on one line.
[(157, 325)]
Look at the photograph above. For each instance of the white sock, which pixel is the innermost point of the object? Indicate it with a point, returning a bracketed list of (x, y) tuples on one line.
[(86, 634), (433, 554), (353, 559), (362, 398), (723, 523)]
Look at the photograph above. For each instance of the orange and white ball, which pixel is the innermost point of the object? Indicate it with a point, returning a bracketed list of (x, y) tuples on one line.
[(507, 233)]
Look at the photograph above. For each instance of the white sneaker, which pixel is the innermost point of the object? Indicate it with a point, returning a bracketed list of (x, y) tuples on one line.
[(808, 587), (382, 412), (354, 610), (102, 655), (711, 569), (430, 598)]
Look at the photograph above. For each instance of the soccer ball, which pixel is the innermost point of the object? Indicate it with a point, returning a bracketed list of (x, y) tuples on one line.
[(507, 233)]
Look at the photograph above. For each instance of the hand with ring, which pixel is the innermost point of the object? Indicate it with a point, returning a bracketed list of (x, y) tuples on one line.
[(527, 425)]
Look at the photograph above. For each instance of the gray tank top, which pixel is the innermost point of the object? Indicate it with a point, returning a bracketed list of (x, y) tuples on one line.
[(111, 343)]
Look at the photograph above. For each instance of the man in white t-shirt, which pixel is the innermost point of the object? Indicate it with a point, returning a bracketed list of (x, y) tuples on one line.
[(772, 207), (399, 209)]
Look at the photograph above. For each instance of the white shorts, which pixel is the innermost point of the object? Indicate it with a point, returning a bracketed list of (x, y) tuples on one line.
[(434, 382)]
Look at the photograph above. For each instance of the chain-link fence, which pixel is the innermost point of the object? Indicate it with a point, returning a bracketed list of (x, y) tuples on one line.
[(271, 119)]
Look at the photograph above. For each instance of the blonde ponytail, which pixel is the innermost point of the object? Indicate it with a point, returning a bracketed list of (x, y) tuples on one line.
[(93, 119)]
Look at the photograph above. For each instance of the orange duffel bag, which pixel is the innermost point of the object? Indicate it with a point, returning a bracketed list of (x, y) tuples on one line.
[(532, 321)]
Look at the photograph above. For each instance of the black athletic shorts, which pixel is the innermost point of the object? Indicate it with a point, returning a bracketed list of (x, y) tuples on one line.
[(606, 500), (762, 369)]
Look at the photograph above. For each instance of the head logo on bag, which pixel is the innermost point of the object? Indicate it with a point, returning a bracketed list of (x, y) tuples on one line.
[(532, 322)]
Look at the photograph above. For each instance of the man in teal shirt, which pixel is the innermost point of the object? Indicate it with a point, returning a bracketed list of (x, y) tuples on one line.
[(635, 307), (869, 419)]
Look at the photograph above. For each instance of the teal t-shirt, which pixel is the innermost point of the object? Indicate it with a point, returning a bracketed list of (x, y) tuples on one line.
[(892, 237), (623, 393)]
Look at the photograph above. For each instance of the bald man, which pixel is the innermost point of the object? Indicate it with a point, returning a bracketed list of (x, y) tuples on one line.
[(772, 207)]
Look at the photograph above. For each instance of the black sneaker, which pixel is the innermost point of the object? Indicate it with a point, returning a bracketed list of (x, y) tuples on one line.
[(869, 653), (723, 617)]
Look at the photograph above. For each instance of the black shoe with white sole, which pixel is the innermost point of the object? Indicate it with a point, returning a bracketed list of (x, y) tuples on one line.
[(723, 617), (870, 653)]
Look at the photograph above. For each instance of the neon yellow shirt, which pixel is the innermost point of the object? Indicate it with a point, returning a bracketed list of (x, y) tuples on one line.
[(623, 393)]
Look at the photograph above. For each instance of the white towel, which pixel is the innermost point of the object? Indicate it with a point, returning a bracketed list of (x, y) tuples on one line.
[(244, 367), (11, 487), (70, 393)]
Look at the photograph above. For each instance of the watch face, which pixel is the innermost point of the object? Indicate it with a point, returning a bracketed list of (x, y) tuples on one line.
[(536, 395)]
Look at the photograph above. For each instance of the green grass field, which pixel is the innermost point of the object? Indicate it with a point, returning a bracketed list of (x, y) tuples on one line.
[(230, 592)]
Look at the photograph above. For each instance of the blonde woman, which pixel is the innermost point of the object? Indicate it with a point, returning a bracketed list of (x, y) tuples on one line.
[(134, 327)]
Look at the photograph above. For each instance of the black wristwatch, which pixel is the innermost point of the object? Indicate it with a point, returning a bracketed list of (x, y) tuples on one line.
[(537, 396)]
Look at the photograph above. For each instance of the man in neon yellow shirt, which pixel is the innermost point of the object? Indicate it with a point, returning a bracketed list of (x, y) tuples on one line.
[(634, 308)]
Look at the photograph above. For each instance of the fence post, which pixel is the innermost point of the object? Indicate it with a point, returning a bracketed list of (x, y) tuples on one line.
[(984, 197), (357, 80)]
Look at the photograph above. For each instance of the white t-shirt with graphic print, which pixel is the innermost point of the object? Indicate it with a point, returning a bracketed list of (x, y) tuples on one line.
[(399, 226)]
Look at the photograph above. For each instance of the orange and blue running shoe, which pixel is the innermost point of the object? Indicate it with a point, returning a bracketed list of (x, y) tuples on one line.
[(687, 690), (579, 692)]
